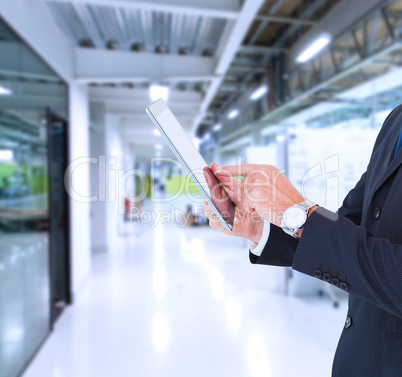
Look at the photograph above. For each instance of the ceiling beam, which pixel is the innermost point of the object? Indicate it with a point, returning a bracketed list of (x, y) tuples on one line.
[(102, 93), (128, 107), (232, 38), (100, 66), (144, 79), (130, 114), (376, 86), (343, 16), (227, 9), (133, 101), (278, 113), (285, 20), (356, 96)]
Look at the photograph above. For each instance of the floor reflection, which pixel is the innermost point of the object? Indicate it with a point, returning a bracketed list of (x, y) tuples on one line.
[(168, 301)]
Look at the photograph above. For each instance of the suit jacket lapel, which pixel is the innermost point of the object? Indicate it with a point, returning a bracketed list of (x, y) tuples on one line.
[(394, 163)]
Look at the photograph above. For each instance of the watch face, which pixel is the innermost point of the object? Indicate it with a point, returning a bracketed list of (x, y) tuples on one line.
[(294, 217)]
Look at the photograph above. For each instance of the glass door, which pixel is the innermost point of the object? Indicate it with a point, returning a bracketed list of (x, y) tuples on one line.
[(58, 208)]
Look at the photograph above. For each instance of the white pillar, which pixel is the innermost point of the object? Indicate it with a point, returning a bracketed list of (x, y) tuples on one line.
[(115, 166), (79, 212), (98, 175)]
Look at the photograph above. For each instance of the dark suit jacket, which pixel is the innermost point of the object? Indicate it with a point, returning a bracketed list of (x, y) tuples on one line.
[(359, 249)]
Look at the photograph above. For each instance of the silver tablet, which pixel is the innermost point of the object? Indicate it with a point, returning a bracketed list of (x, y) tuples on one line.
[(193, 162)]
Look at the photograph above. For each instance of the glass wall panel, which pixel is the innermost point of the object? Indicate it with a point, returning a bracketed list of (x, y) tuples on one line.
[(28, 88)]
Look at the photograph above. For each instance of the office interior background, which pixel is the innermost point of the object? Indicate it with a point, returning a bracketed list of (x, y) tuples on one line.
[(107, 265)]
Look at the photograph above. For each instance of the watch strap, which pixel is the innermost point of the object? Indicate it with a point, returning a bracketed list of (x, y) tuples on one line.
[(307, 204)]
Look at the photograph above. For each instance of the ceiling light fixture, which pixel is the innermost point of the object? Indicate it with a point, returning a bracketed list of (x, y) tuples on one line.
[(4, 91), (156, 132), (233, 114), (6, 155), (158, 146), (157, 91), (257, 94), (280, 138), (217, 127), (314, 49)]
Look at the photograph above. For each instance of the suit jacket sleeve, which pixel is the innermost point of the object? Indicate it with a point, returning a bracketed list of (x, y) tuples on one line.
[(337, 250), (280, 248)]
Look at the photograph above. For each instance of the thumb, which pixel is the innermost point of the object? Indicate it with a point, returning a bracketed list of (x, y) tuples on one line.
[(238, 216)]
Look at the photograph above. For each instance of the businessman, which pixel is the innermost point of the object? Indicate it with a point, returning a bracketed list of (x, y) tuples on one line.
[(358, 249)]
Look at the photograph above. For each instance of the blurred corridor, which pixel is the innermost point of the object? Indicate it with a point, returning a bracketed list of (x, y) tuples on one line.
[(108, 267)]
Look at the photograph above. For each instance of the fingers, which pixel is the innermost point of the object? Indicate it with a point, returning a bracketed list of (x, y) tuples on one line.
[(214, 221), (237, 170), (232, 188), (214, 166), (224, 177), (211, 180), (238, 217), (243, 170), (226, 185), (228, 180), (218, 193)]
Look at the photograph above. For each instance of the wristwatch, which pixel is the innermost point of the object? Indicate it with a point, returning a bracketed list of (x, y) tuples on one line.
[(294, 217)]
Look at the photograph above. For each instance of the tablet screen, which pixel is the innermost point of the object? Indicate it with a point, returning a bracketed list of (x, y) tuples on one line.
[(192, 160)]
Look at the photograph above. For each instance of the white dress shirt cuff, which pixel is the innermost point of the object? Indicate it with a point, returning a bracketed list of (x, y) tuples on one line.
[(257, 249)]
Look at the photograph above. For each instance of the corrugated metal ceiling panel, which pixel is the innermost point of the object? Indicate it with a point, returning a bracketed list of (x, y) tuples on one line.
[(142, 30)]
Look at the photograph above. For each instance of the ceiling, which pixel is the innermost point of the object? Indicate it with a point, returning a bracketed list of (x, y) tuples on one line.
[(210, 50), (211, 53), (141, 29), (355, 78), (358, 74)]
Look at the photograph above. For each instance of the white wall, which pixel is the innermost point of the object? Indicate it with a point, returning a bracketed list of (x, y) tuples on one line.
[(114, 159), (116, 150), (80, 212), (325, 164)]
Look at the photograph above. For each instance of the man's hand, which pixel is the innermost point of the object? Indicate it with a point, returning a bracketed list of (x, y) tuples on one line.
[(265, 190), (247, 224)]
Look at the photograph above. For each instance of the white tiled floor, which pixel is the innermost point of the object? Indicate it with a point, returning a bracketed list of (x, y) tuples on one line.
[(173, 302)]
